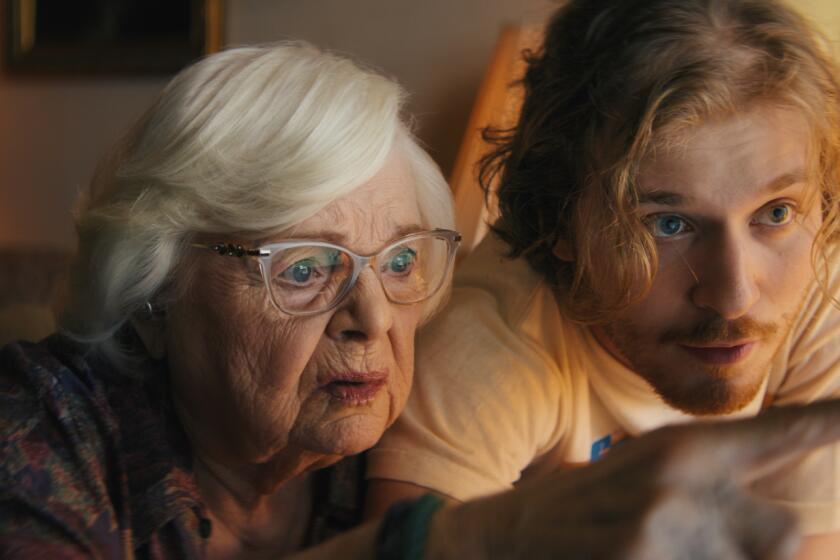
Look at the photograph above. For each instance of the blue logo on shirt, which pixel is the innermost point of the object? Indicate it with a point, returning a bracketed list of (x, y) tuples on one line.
[(601, 446)]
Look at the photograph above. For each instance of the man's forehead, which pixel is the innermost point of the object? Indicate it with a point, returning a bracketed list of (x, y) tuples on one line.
[(675, 133), (678, 136), (760, 151)]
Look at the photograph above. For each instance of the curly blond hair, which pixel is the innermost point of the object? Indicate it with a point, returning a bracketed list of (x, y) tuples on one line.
[(612, 80)]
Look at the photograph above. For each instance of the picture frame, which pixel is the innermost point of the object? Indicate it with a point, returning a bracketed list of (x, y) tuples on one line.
[(95, 37)]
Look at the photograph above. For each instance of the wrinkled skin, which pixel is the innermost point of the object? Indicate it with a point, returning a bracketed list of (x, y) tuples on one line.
[(247, 380), (245, 376)]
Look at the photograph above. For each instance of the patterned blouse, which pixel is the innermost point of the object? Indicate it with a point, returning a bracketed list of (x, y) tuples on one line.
[(93, 464)]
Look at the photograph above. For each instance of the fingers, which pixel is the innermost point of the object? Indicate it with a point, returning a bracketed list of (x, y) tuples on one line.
[(749, 449), (677, 492), (718, 525), (763, 530), (702, 469)]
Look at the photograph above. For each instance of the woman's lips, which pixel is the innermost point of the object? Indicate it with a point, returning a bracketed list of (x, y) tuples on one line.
[(720, 355), (354, 387)]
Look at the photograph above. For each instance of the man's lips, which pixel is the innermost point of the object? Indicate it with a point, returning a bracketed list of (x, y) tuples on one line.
[(720, 353), (353, 387)]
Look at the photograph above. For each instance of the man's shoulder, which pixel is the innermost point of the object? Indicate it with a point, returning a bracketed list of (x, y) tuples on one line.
[(495, 296), (509, 284), (818, 316), (502, 317), (809, 359)]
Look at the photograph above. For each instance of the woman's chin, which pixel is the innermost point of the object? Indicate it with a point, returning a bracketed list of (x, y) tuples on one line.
[(347, 435)]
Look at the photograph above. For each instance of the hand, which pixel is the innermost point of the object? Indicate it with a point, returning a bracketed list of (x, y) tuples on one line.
[(677, 492)]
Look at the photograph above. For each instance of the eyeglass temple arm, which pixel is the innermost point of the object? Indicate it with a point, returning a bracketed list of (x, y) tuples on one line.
[(230, 249), (233, 250)]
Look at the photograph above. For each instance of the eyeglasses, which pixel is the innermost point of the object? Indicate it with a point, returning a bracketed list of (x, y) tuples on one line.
[(306, 277)]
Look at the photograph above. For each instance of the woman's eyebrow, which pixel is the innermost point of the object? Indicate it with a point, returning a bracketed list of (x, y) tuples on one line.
[(339, 238)]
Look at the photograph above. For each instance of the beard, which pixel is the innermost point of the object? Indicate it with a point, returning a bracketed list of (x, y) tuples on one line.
[(688, 384)]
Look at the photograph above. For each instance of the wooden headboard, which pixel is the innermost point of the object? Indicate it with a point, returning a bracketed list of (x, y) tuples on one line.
[(497, 104)]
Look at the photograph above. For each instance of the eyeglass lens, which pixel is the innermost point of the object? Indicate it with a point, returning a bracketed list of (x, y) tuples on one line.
[(311, 278)]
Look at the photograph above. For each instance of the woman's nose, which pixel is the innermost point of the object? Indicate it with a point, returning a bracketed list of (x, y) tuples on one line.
[(366, 313)]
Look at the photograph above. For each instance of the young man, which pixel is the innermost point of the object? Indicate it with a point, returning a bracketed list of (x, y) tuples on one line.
[(664, 254)]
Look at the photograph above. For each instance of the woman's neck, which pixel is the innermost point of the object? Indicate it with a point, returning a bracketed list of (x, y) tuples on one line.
[(252, 516)]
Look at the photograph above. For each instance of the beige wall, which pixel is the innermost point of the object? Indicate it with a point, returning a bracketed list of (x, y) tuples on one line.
[(825, 14), (436, 48), (53, 131)]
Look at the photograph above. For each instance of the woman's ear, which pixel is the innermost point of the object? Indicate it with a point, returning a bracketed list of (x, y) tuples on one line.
[(563, 250), (150, 326)]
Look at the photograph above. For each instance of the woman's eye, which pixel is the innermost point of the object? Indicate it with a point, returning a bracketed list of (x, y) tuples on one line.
[(667, 225), (776, 215), (300, 272), (402, 262), (313, 268)]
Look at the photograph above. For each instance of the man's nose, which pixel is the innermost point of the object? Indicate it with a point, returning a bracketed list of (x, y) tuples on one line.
[(726, 278)]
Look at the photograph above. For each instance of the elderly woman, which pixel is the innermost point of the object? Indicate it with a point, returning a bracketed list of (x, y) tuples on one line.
[(253, 263)]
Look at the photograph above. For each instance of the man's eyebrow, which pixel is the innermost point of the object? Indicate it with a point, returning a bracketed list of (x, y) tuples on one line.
[(670, 198), (665, 198), (785, 180)]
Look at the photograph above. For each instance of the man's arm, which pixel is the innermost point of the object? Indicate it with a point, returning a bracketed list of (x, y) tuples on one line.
[(680, 489)]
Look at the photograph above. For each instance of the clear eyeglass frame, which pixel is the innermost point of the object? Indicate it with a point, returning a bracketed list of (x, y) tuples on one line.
[(266, 253)]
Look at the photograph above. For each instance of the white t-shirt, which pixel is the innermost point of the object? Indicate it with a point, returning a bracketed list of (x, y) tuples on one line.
[(505, 388)]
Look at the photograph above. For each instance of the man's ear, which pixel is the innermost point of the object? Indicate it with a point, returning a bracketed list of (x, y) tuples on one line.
[(563, 250), (150, 326)]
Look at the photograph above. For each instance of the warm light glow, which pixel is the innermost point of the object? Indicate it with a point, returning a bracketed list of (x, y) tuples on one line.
[(28, 13)]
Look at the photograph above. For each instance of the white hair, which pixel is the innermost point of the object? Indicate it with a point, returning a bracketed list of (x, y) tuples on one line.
[(251, 140)]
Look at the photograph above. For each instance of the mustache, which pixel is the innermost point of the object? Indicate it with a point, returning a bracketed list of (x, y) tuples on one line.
[(718, 329)]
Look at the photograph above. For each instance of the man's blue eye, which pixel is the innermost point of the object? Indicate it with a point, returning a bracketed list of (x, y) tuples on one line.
[(775, 215), (402, 262), (667, 225), (779, 215)]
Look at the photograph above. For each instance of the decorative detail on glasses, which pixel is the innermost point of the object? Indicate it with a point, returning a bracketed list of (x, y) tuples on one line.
[(231, 250), (307, 277)]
